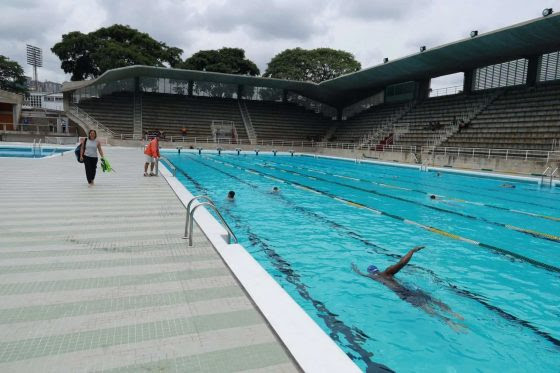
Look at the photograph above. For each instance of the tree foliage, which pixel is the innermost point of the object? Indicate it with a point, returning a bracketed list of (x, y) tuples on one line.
[(315, 65), (225, 60), (90, 55), (12, 77)]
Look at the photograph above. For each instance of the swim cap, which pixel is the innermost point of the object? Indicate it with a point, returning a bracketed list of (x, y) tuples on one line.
[(372, 269)]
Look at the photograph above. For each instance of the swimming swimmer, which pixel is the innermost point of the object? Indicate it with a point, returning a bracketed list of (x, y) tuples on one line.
[(275, 190), (231, 195), (415, 297), (508, 185)]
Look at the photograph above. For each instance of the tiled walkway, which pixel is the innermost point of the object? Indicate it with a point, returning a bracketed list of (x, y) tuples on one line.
[(99, 279)]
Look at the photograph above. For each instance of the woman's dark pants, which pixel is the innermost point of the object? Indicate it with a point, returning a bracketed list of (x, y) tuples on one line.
[(90, 164)]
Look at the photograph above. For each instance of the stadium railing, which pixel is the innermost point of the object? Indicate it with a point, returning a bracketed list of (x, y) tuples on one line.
[(454, 151), (494, 153)]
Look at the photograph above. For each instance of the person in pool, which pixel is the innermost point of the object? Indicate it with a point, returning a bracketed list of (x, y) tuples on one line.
[(415, 297), (231, 195), (275, 190)]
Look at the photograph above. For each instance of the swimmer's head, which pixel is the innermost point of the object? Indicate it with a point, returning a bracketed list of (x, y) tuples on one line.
[(433, 196), (372, 269)]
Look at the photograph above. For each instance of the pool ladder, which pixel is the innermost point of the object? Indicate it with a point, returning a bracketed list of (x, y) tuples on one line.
[(546, 178), (190, 218)]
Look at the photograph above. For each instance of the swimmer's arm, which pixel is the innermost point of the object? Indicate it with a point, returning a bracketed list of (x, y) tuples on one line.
[(395, 268), (355, 269)]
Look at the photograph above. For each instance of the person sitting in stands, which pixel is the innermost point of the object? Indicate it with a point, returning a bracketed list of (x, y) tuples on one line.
[(183, 131)]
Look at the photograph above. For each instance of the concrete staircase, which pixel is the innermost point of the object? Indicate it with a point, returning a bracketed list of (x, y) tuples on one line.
[(251, 134), (87, 122)]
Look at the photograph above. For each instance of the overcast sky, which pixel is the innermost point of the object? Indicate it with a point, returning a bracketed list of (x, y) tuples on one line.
[(370, 29)]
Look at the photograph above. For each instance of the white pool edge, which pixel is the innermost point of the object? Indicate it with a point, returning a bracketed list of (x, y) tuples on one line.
[(310, 346), (495, 175)]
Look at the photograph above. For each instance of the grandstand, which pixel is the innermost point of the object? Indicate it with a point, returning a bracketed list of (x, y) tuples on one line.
[(509, 99)]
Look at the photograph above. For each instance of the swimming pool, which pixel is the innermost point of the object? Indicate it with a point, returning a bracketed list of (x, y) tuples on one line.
[(491, 256), (30, 151)]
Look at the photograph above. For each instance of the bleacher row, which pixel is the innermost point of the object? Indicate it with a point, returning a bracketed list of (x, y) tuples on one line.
[(514, 118)]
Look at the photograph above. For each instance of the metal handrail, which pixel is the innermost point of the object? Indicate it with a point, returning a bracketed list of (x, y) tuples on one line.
[(224, 224), (163, 159), (81, 112), (187, 221)]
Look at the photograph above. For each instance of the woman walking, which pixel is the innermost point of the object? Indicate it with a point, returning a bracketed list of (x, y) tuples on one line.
[(90, 147)]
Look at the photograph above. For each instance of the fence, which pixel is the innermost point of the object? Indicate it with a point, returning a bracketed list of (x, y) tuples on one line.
[(494, 153)]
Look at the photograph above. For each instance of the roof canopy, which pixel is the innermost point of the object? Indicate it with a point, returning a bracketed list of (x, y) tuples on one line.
[(534, 37)]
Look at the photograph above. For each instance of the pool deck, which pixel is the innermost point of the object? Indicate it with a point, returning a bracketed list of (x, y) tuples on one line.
[(99, 278)]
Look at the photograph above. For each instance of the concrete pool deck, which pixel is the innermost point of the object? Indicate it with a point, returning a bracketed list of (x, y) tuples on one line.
[(97, 279)]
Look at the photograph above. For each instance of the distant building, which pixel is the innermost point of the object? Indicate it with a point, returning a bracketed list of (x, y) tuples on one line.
[(43, 100), (46, 86)]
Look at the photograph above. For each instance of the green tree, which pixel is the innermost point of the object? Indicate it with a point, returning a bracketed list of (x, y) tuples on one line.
[(12, 77), (225, 60), (315, 65), (90, 55)]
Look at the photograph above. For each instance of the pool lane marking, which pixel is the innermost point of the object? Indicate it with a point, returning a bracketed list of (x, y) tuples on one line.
[(466, 293), (428, 228), (547, 217), (351, 334), (407, 176), (533, 233)]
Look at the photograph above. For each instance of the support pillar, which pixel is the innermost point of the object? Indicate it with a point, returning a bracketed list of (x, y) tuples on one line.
[(240, 91), (532, 71), (423, 89), (468, 82), (190, 88), (284, 95), (137, 110), (339, 112)]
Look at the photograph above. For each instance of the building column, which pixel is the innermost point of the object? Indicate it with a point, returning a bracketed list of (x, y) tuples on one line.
[(468, 82), (339, 112), (284, 95), (532, 70), (423, 89), (137, 110), (240, 91), (190, 88)]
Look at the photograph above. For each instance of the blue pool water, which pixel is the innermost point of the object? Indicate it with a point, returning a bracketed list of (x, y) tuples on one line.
[(492, 256), (30, 152)]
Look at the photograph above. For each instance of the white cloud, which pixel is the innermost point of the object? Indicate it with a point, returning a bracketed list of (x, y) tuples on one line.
[(369, 29)]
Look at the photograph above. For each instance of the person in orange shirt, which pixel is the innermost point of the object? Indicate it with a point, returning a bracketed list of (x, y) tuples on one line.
[(152, 155)]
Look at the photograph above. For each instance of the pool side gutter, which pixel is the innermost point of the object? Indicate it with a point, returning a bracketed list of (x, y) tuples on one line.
[(310, 346)]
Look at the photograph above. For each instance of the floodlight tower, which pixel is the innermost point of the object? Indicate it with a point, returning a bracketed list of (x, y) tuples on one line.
[(35, 59)]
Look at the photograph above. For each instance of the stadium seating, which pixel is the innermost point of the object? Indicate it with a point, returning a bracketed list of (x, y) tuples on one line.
[(171, 113), (414, 126), (522, 118), (519, 118), (113, 111), (285, 121), (355, 128)]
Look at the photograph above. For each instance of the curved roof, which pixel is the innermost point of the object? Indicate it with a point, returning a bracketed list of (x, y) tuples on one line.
[(534, 37)]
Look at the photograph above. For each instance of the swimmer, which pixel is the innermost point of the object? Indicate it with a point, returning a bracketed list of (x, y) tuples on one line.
[(275, 190), (231, 195), (415, 297), (508, 185)]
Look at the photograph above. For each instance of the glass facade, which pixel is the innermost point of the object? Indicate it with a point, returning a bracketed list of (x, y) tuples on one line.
[(549, 67), (501, 75)]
